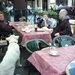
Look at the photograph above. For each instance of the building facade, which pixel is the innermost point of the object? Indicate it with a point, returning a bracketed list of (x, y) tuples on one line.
[(43, 4), (46, 4)]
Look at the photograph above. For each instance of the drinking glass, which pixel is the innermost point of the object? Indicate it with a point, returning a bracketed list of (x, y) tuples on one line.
[(35, 27)]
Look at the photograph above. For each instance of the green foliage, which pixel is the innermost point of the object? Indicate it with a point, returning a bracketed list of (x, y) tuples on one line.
[(52, 13), (39, 11), (22, 18), (49, 12)]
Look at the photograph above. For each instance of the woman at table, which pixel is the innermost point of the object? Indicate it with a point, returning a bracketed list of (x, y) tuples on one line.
[(63, 27), (5, 28), (44, 21)]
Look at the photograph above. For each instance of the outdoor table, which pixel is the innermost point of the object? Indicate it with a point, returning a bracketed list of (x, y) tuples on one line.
[(32, 34), (47, 64)]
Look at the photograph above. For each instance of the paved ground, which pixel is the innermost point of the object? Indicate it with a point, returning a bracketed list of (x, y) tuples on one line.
[(24, 69)]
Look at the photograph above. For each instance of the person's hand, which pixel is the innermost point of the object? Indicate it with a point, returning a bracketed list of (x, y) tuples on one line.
[(45, 23), (50, 30), (57, 34), (44, 19), (10, 23)]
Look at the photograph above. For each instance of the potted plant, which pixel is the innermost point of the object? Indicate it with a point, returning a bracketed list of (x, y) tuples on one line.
[(22, 18), (38, 11), (52, 14)]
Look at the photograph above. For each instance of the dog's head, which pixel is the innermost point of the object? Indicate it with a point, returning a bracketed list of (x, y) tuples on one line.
[(12, 38)]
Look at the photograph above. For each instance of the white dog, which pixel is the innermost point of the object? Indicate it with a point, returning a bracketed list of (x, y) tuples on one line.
[(12, 56)]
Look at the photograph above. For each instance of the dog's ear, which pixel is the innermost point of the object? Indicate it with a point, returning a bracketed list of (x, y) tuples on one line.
[(7, 38), (12, 36), (17, 37)]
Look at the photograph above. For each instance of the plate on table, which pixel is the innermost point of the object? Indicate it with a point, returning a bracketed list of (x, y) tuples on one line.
[(54, 53), (26, 30), (40, 30)]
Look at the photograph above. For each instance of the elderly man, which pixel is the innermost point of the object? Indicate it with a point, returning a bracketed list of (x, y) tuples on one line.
[(63, 27), (5, 28)]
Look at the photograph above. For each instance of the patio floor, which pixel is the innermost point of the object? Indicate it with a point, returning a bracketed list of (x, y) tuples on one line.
[(24, 69)]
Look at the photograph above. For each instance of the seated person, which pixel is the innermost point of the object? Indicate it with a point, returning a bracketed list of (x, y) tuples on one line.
[(5, 28), (44, 21), (63, 26)]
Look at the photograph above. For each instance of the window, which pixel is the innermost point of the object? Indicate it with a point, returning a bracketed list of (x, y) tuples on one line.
[(63, 2)]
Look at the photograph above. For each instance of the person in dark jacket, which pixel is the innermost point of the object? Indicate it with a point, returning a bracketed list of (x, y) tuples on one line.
[(63, 27), (5, 28)]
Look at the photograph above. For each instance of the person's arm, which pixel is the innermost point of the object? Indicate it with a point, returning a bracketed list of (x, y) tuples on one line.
[(57, 34), (39, 22), (64, 32), (7, 28), (45, 23), (67, 29), (48, 23), (39, 19)]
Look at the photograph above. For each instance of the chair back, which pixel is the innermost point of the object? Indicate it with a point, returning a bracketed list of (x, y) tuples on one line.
[(70, 69), (63, 40), (35, 45)]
